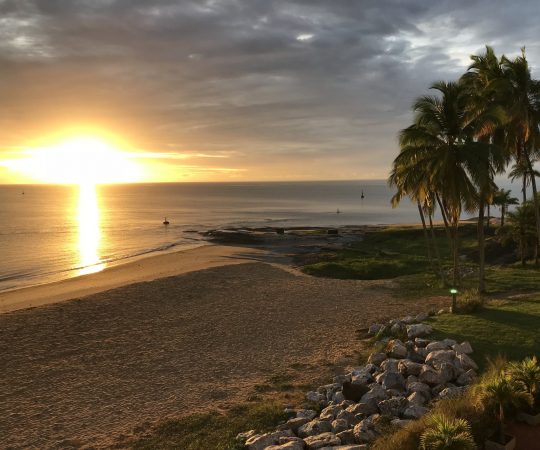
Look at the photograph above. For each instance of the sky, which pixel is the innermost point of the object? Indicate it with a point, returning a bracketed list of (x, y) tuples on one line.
[(239, 90)]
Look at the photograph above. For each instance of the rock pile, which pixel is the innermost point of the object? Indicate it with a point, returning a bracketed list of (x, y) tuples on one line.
[(396, 386)]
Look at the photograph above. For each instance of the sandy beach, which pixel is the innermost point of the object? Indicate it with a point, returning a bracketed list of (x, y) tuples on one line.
[(95, 371)]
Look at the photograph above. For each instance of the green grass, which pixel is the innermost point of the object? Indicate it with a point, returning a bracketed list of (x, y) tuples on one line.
[(400, 254), (503, 327), (213, 430)]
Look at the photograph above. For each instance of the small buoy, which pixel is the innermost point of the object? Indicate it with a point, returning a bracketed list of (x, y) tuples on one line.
[(165, 222)]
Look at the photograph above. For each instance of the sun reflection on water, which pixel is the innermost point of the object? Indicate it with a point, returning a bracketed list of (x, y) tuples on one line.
[(89, 230)]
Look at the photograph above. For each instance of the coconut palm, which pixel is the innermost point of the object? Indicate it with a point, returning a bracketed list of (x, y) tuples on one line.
[(440, 147), (503, 198), (483, 102), (521, 100), (521, 229), (443, 433)]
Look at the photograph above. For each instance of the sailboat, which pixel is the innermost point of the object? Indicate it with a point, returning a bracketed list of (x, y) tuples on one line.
[(165, 221), (362, 196), (338, 211)]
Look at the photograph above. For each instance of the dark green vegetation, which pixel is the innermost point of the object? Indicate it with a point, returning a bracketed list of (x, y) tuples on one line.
[(400, 254), (502, 327), (213, 430), (463, 135)]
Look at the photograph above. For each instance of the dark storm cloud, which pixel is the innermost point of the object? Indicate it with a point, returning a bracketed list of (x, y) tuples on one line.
[(319, 87)]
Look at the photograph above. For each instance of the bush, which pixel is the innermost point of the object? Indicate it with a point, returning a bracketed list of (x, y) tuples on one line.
[(469, 302), (443, 433)]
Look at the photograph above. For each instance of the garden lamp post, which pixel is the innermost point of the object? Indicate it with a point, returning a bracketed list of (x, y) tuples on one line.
[(454, 292)]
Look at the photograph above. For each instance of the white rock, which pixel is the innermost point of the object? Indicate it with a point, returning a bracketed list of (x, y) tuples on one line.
[(314, 427), (391, 380), (260, 442), (409, 320), (390, 365), (377, 358), (416, 398), (306, 413), (322, 440), (418, 330), (316, 397), (415, 412), (397, 349), (407, 367), (466, 362), (291, 445), (440, 355), (437, 345), (464, 347)]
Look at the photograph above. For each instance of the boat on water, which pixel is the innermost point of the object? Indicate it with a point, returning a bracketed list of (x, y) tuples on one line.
[(165, 221)]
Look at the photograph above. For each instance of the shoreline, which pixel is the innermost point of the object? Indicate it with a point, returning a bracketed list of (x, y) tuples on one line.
[(140, 270)]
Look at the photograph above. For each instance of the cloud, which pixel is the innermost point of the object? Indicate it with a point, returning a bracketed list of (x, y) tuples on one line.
[(298, 88)]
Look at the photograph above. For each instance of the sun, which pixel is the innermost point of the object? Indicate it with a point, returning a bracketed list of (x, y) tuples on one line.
[(83, 160)]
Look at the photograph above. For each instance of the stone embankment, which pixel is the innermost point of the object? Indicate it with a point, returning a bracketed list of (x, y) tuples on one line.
[(397, 385)]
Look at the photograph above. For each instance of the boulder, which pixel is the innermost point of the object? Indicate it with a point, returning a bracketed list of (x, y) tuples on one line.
[(297, 422), (346, 437), (361, 376), (419, 342), (363, 434), (330, 412), (306, 413), (430, 376), (466, 362), (348, 417), (390, 365), (391, 380), (421, 317), (291, 445), (261, 441), (409, 320), (396, 349), (315, 397), (400, 422), (243, 437), (375, 328), (393, 407), (416, 398), (339, 425), (421, 388), (440, 355), (377, 358), (451, 391), (377, 393), (340, 379), (437, 345), (464, 379), (314, 427), (449, 342), (414, 412), (353, 391), (366, 409), (418, 330), (464, 347), (322, 440), (407, 367)]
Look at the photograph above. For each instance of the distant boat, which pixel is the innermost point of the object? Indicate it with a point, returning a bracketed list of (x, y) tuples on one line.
[(165, 222), (338, 211), (362, 196), (22, 193)]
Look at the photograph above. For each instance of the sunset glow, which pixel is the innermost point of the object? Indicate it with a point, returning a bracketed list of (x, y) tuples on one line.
[(84, 160), (89, 230)]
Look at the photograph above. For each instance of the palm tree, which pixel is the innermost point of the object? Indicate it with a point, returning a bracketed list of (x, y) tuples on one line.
[(443, 433), (441, 146), (479, 82), (522, 229), (503, 198), (526, 373), (522, 103), (498, 394)]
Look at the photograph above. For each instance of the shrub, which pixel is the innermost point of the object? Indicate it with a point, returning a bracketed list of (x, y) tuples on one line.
[(443, 433), (469, 302)]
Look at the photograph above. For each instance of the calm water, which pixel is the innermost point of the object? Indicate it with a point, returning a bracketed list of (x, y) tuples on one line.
[(55, 232)]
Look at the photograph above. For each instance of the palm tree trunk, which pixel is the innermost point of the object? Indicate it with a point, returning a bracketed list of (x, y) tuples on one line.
[(425, 234), (436, 248), (524, 188), (535, 201), (488, 216), (446, 224), (481, 246), (455, 247), (503, 210)]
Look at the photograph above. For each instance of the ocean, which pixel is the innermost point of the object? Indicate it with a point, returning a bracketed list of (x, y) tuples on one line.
[(49, 233)]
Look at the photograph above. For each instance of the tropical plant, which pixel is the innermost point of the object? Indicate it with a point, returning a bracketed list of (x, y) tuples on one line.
[(440, 156), (520, 96), (443, 433), (500, 394), (526, 373), (521, 229), (503, 198)]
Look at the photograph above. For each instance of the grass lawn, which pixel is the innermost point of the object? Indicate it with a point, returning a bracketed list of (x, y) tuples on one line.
[(503, 327), (400, 254)]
